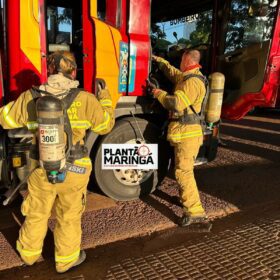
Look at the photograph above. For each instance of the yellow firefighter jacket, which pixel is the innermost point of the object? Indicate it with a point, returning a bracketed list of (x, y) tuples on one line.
[(186, 93), (86, 112)]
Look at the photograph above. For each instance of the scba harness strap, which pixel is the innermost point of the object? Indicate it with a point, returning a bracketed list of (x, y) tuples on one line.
[(73, 152), (195, 118)]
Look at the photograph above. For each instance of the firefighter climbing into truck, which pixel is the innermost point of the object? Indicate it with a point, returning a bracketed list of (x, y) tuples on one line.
[(112, 44)]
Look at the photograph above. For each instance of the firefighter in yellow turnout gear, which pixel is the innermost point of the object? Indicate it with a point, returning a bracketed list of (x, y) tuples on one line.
[(185, 137), (68, 197)]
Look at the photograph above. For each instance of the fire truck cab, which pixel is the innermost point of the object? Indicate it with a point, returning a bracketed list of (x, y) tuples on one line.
[(113, 41)]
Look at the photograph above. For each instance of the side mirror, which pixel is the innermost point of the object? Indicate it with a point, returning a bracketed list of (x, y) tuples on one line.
[(175, 35)]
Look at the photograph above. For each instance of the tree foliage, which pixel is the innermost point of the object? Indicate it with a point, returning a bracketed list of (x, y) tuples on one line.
[(157, 32), (65, 16), (250, 22), (201, 35), (158, 38)]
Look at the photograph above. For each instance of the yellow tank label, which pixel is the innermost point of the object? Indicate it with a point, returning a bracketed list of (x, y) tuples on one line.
[(52, 153)]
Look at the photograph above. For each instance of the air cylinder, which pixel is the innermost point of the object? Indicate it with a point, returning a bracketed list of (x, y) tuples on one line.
[(215, 99), (51, 133)]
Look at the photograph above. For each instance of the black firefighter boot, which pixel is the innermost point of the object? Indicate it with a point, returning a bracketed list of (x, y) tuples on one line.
[(81, 259), (195, 223)]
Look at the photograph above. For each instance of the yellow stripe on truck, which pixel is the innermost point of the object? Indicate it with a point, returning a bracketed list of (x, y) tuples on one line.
[(107, 56), (29, 24), (107, 53)]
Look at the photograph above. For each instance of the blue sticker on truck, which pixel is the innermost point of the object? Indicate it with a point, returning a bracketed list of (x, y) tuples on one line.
[(124, 76)]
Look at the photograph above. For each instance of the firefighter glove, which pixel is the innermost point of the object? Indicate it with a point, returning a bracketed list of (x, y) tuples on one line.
[(150, 86), (156, 92), (155, 58)]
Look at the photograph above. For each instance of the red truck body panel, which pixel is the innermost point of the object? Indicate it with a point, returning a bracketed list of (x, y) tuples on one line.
[(20, 73), (269, 95)]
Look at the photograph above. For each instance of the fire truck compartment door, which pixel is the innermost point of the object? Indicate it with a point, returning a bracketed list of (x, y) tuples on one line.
[(1, 83), (107, 52), (244, 70), (32, 13)]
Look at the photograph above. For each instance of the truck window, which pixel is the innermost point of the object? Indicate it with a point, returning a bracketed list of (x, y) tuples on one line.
[(2, 10), (65, 32), (59, 23), (109, 11), (250, 23), (169, 38), (2, 16)]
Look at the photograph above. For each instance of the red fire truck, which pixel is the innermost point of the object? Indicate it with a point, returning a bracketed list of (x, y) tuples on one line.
[(113, 41)]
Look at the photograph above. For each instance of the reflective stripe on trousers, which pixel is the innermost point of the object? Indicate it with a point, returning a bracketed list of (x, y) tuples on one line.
[(68, 258), (27, 253), (178, 137)]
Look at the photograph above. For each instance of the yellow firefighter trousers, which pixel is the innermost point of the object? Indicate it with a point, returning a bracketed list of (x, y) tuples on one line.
[(185, 155), (69, 200)]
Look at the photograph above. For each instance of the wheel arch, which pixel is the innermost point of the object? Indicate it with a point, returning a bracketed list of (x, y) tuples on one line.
[(139, 106), (113, 183)]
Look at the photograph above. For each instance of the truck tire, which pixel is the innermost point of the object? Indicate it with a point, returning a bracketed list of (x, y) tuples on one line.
[(118, 184)]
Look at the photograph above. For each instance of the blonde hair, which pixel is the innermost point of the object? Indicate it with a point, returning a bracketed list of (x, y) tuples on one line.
[(61, 61)]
